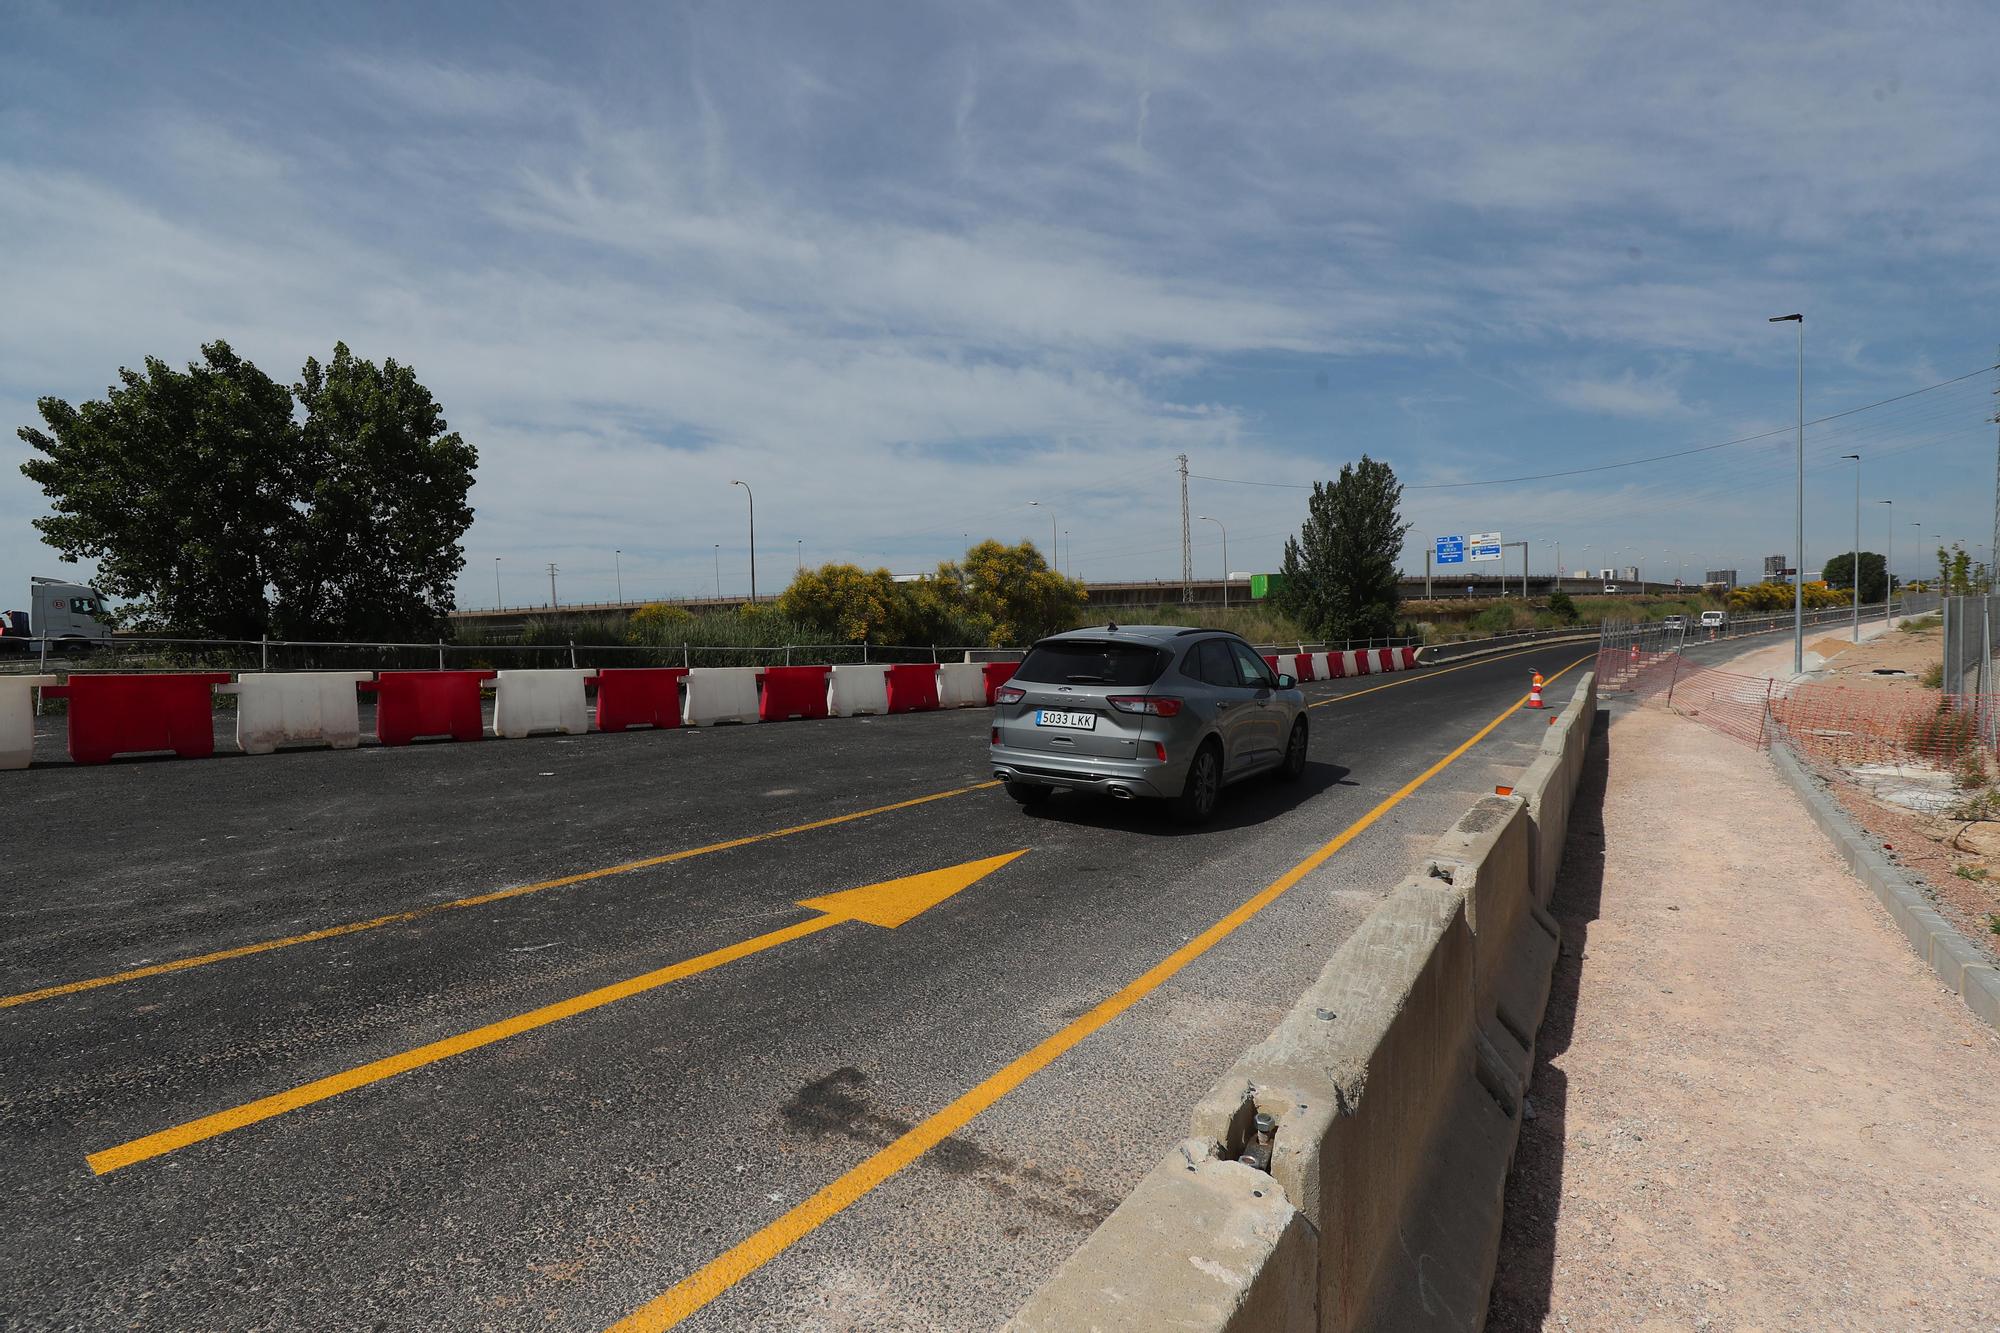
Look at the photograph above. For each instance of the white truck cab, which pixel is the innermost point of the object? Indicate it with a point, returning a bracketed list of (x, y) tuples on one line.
[(62, 611)]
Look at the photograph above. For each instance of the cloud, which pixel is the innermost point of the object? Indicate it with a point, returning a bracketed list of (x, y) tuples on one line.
[(915, 274), (1625, 395)]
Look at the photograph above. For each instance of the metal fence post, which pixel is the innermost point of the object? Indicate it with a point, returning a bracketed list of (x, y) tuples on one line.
[(572, 654), (440, 654), (684, 657), (864, 651), (264, 652)]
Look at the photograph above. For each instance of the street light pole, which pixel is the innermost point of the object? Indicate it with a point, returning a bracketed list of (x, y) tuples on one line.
[(753, 538), (1799, 515), (718, 571), (1889, 566), (496, 583), (618, 572), (1856, 460), (1037, 504), (1225, 556)]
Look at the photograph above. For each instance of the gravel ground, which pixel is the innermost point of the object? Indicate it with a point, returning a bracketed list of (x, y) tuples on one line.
[(1956, 862), (1755, 1108)]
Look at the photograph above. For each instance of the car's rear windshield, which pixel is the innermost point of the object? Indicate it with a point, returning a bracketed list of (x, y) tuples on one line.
[(1083, 662)]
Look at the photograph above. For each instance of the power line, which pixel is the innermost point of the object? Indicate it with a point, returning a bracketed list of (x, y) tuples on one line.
[(1630, 462)]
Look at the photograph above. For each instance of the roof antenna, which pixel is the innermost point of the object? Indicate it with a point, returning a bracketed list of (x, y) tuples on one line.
[(1111, 626)]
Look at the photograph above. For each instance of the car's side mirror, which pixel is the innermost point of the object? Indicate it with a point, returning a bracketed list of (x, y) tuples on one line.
[(1286, 682)]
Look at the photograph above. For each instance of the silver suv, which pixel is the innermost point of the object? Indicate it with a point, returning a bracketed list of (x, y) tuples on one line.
[(1145, 710)]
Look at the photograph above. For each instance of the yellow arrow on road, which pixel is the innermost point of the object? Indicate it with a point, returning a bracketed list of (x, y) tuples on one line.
[(888, 904)]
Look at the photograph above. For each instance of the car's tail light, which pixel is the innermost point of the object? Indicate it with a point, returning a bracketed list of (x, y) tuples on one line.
[(1009, 694), (996, 736), (1153, 705), (1160, 751)]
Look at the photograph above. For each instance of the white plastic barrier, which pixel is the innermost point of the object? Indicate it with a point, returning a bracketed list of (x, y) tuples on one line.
[(851, 690), (961, 685), (543, 699), (719, 694), (17, 718), (1289, 664), (1355, 663), (276, 708), (1322, 665)]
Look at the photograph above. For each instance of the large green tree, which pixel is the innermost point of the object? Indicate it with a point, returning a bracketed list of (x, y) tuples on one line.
[(1340, 571), (175, 484), (373, 551), (215, 510), (1839, 573)]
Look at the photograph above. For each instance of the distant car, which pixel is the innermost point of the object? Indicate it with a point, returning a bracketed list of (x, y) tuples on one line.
[(1145, 710), (1611, 587), (1675, 623), (1714, 620)]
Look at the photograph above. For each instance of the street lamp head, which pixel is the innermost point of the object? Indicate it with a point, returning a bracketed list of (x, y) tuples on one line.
[(1786, 319), (1855, 457)]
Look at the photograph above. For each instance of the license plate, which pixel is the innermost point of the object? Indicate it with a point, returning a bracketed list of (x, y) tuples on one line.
[(1055, 717)]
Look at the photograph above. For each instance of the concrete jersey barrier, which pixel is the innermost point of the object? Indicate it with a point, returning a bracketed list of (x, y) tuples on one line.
[(276, 708), (1396, 1085)]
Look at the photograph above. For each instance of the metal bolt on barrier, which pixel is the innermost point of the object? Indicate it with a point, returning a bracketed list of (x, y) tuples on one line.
[(1258, 1154)]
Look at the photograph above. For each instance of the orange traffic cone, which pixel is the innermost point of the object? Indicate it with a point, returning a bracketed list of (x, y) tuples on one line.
[(1635, 652), (1535, 692)]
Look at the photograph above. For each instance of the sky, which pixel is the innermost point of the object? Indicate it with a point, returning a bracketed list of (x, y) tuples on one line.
[(906, 268)]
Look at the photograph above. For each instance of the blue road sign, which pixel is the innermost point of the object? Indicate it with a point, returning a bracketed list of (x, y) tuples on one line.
[(1450, 550)]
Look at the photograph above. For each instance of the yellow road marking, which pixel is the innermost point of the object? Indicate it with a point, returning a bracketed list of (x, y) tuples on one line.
[(703, 1285), (1411, 680), (889, 904), (480, 900)]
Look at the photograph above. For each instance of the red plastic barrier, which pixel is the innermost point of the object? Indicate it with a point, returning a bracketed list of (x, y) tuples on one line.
[(794, 691), (117, 714), (1272, 663), (1409, 657), (912, 689), (1364, 662), (639, 697), (1304, 661), (1386, 657), (1336, 665), (409, 704), (998, 674)]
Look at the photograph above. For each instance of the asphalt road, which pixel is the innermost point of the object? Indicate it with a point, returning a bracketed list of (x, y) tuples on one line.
[(837, 1110)]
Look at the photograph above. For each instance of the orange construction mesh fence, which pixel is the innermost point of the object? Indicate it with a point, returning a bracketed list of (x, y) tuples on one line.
[(1830, 724)]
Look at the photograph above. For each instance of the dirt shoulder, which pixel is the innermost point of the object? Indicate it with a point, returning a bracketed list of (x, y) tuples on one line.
[(1756, 1109)]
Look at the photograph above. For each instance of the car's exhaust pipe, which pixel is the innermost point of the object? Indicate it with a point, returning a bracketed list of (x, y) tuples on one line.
[(1122, 793)]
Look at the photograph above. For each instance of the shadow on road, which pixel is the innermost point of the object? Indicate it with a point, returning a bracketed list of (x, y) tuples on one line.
[(1522, 1284), (1243, 804)]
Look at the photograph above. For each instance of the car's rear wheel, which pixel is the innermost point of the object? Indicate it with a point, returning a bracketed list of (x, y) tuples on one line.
[(1196, 803), (1028, 793), (1295, 753)]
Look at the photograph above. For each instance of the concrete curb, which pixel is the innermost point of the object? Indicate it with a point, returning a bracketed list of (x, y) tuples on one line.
[(1380, 1116), (1958, 963)]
